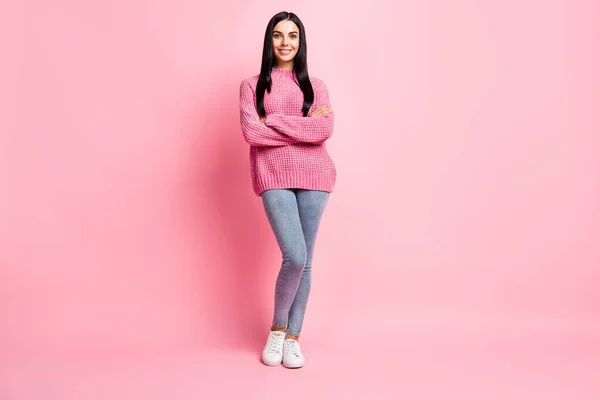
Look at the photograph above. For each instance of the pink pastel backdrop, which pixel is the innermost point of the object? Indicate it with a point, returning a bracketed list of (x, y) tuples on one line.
[(467, 144)]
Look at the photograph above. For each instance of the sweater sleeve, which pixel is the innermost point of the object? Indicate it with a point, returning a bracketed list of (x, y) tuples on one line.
[(255, 132), (306, 129)]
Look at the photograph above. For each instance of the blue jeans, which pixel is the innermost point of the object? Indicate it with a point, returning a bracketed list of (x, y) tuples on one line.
[(294, 215)]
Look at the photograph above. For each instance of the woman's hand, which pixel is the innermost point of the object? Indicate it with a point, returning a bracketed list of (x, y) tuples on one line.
[(318, 112), (321, 111)]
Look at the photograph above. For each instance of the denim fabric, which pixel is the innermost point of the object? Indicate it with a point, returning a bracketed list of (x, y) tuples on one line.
[(294, 216)]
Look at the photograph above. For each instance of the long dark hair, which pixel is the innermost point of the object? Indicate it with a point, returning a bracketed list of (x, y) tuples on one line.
[(268, 62)]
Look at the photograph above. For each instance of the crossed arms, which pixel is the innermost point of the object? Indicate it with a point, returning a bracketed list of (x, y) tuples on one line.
[(280, 129)]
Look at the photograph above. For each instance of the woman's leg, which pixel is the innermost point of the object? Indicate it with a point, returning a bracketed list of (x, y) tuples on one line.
[(311, 204), (282, 212)]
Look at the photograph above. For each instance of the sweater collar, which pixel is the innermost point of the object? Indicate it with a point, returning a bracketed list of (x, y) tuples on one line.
[(289, 73)]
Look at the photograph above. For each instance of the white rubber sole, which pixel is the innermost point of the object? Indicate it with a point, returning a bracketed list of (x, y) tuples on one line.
[(292, 366), (271, 364)]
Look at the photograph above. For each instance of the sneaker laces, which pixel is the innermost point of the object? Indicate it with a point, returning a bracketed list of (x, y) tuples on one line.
[(293, 348), (275, 343)]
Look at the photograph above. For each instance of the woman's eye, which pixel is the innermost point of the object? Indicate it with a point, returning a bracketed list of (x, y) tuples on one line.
[(276, 36)]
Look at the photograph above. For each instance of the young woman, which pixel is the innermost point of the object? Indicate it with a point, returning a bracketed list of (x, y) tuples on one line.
[(286, 117)]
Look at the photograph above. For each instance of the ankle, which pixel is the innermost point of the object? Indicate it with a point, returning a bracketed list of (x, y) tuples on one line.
[(288, 336), (278, 328)]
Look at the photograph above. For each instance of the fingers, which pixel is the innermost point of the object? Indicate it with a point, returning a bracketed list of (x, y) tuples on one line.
[(324, 112), (321, 111)]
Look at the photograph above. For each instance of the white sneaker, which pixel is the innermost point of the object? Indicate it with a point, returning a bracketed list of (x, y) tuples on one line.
[(292, 355), (273, 352)]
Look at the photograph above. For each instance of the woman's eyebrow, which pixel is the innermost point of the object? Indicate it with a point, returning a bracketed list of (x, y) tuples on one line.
[(282, 33)]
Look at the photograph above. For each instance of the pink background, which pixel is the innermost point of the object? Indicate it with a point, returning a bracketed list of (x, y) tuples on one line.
[(458, 256)]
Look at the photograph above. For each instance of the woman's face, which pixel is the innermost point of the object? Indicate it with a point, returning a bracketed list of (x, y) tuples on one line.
[(286, 39)]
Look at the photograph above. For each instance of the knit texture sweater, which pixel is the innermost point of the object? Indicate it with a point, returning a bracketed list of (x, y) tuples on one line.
[(288, 149)]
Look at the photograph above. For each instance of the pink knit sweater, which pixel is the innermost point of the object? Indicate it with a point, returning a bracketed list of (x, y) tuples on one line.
[(288, 149)]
